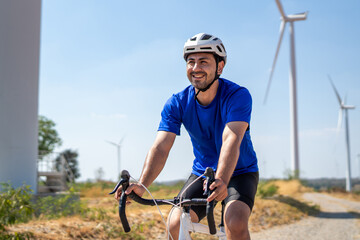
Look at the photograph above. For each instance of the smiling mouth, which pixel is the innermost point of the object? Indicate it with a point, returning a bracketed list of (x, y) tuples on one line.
[(198, 75)]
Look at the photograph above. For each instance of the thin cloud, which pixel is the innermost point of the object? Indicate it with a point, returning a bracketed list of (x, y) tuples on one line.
[(317, 132), (108, 116)]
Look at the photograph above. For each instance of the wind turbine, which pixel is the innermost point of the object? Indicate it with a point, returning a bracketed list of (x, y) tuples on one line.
[(359, 164), (344, 110), (118, 147), (294, 142)]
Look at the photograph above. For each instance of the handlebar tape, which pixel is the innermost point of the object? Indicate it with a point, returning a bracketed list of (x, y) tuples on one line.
[(210, 176), (210, 217), (125, 176), (122, 213)]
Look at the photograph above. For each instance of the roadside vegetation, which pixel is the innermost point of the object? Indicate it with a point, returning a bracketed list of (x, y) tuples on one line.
[(87, 211)]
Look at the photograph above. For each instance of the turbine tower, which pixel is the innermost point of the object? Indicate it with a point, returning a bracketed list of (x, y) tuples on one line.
[(118, 147), (344, 111), (294, 142), (358, 156)]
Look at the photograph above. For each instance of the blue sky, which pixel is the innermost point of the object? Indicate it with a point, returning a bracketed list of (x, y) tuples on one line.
[(107, 68)]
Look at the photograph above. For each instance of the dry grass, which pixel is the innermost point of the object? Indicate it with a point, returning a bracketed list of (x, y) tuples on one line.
[(291, 187), (283, 208), (270, 212), (103, 222), (344, 195)]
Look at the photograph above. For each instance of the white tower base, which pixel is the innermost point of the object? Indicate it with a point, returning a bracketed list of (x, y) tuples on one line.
[(19, 83)]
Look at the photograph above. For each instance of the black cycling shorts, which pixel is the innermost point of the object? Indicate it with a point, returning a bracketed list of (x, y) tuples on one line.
[(241, 187)]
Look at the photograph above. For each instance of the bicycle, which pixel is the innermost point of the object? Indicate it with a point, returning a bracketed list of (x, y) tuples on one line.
[(186, 225)]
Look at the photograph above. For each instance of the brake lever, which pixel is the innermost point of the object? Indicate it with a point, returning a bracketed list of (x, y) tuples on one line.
[(117, 186), (125, 176), (210, 178)]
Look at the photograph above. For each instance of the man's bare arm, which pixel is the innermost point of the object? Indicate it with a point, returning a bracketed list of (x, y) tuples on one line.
[(154, 162), (229, 155), (157, 156)]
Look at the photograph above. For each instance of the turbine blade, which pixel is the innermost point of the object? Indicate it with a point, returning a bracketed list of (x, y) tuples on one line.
[(282, 28), (336, 92), (111, 143), (121, 140), (281, 9), (339, 121)]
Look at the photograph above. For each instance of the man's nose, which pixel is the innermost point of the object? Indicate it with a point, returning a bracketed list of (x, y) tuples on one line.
[(196, 67)]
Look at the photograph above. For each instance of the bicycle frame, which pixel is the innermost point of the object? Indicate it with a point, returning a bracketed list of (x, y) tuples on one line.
[(187, 226)]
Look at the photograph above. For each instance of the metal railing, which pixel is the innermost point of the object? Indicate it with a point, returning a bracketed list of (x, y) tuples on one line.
[(55, 168)]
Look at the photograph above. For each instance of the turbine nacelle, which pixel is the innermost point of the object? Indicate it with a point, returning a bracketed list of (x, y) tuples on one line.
[(291, 17), (341, 102), (296, 17), (348, 107)]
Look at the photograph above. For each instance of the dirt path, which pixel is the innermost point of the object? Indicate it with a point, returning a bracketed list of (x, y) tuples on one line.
[(339, 219)]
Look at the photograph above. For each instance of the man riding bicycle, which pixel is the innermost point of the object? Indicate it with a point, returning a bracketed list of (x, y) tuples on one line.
[(216, 113)]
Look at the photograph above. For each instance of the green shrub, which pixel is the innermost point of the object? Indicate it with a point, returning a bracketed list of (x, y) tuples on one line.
[(15, 207), (15, 204), (94, 214), (16, 236), (266, 189), (59, 206)]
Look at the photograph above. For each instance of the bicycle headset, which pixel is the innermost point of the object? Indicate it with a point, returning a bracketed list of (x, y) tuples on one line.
[(207, 43)]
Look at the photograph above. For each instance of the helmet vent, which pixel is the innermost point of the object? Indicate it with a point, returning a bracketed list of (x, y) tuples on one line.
[(206, 48), (223, 47), (205, 43), (206, 37)]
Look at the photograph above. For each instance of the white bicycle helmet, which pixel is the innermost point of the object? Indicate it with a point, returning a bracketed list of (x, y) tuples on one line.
[(203, 42)]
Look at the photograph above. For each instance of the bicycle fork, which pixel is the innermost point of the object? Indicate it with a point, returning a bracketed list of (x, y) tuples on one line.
[(185, 226)]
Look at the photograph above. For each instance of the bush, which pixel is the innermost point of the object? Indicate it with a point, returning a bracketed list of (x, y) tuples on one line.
[(15, 204), (15, 207), (59, 206), (16, 236), (266, 189)]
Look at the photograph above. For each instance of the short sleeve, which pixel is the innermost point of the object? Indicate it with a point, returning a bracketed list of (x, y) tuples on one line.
[(239, 106), (171, 116)]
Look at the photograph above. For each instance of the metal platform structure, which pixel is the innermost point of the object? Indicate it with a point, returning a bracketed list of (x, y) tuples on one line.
[(52, 175)]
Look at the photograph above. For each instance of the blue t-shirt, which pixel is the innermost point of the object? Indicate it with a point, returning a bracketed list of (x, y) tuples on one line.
[(205, 124)]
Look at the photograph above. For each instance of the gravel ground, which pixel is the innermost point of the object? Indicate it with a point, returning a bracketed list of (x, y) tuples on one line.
[(335, 222)]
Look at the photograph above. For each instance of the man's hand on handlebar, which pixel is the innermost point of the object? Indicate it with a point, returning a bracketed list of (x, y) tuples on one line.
[(134, 187), (219, 188)]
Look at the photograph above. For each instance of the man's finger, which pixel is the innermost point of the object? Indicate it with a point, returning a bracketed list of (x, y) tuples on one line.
[(211, 197), (129, 189), (117, 195), (221, 197), (213, 185)]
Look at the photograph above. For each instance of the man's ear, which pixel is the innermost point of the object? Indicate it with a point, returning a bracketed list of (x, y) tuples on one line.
[(221, 66)]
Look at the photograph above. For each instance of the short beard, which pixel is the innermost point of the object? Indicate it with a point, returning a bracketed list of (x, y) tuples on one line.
[(196, 84)]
